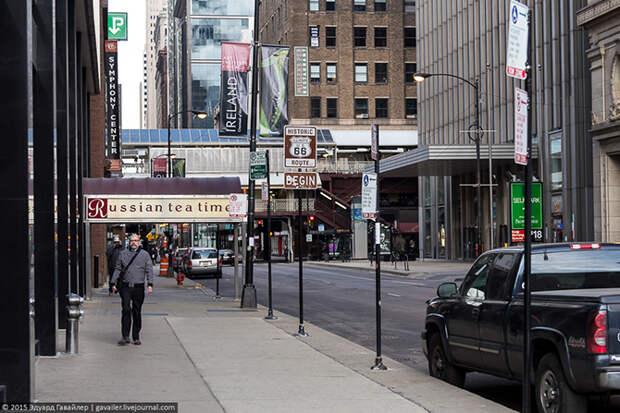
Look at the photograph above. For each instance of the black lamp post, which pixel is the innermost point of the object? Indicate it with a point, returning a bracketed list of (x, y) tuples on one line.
[(420, 77), (199, 115)]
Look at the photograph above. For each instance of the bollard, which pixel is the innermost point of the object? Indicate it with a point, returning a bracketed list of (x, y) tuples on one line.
[(96, 271), (74, 315)]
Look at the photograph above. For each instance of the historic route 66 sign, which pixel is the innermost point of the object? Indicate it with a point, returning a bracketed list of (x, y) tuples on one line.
[(300, 147)]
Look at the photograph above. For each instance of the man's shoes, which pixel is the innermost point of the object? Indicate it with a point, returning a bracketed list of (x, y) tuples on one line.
[(137, 342), (124, 341)]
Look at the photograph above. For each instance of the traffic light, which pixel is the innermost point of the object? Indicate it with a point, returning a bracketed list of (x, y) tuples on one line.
[(260, 222), (311, 218)]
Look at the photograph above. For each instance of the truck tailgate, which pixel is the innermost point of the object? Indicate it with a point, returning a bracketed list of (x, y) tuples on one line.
[(613, 321)]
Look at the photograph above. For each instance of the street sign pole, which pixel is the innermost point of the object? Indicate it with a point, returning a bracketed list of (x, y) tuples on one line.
[(378, 360), (301, 332), (248, 294), (270, 315), (527, 356)]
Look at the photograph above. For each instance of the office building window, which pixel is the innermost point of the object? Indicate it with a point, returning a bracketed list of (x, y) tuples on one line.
[(205, 91), (331, 72), (361, 108), (409, 6), (222, 8), (314, 36), (315, 73), (207, 36), (330, 37), (313, 5), (332, 107), (555, 144), (381, 108), (410, 69), (381, 73), (411, 108), (361, 73), (359, 36), (315, 107), (330, 5), (380, 36), (359, 5), (380, 5), (409, 36)]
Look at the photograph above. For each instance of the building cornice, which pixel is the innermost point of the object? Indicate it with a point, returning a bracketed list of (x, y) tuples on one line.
[(594, 11)]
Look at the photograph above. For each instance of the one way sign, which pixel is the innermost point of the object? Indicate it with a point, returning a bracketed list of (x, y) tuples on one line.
[(117, 26)]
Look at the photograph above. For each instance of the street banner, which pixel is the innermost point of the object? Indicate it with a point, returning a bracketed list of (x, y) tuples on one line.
[(178, 167), (374, 138), (238, 205), (233, 119), (301, 70), (300, 147), (113, 127), (159, 168), (518, 28), (264, 193), (521, 102), (369, 196), (274, 90), (517, 212)]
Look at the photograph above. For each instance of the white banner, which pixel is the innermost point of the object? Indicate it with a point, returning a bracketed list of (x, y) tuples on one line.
[(518, 28), (521, 102), (238, 205), (369, 196)]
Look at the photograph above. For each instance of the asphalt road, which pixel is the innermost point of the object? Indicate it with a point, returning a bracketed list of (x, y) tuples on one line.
[(342, 301)]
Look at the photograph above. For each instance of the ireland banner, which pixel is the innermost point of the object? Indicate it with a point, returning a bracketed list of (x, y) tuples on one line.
[(274, 96), (234, 89)]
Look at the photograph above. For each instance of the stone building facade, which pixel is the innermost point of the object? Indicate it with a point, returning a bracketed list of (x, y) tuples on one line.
[(600, 20)]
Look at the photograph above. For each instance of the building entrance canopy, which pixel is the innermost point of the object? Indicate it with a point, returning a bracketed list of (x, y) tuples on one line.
[(445, 160), (182, 200)]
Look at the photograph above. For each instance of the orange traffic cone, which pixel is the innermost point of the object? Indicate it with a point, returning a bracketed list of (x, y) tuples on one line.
[(163, 267)]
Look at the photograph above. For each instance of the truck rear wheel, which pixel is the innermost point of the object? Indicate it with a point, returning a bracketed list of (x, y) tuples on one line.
[(553, 394), (440, 367)]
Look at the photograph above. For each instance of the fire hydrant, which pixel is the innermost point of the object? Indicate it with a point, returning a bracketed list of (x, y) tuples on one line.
[(180, 277)]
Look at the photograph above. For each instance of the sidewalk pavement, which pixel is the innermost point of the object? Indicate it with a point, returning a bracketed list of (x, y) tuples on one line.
[(417, 269), (209, 355)]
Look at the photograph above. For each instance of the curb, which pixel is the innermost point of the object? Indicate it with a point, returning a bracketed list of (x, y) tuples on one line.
[(363, 268)]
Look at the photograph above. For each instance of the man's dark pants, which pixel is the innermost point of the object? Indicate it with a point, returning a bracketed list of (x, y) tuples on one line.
[(132, 299)]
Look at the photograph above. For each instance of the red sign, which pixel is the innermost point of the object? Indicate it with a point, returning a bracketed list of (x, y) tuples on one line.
[(517, 235), (97, 208)]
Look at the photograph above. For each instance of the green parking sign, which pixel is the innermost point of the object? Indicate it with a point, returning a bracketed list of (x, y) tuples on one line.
[(517, 210), (117, 26)]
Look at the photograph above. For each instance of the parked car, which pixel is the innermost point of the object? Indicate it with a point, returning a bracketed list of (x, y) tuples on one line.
[(201, 261), (177, 259), (575, 322), (227, 257)]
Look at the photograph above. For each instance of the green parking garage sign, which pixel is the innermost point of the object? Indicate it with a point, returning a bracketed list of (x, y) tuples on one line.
[(117, 26), (517, 211)]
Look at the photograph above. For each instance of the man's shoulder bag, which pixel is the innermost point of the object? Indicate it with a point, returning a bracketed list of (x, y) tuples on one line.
[(121, 275)]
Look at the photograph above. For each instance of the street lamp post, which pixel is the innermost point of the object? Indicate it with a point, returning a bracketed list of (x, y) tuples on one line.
[(420, 77), (199, 115)]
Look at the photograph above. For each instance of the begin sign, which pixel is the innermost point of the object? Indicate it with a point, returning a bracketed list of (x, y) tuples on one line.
[(301, 180)]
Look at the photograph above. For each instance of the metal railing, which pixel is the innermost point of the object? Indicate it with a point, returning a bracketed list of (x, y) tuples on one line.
[(285, 205)]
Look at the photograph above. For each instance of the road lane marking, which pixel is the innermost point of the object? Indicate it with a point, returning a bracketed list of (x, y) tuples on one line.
[(393, 295)]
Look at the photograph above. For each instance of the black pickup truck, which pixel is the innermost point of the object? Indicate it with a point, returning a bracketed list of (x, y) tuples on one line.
[(575, 319)]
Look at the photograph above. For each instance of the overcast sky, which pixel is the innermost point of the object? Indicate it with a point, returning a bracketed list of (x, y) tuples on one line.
[(130, 58)]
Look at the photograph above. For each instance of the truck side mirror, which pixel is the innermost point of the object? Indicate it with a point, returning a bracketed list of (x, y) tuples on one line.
[(446, 290)]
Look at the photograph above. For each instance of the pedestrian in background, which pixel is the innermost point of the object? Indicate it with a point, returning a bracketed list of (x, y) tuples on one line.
[(112, 255), (132, 269)]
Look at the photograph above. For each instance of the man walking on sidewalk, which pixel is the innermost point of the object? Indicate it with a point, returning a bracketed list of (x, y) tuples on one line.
[(113, 252), (132, 268)]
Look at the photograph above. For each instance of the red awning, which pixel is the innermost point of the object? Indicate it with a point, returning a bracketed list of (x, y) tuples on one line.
[(161, 186)]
